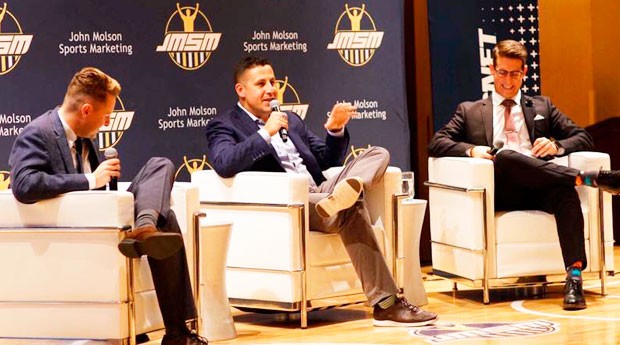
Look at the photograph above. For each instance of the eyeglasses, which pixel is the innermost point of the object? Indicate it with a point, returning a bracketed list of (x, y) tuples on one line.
[(513, 74)]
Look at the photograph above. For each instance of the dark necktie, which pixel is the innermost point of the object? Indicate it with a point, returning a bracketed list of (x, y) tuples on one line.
[(78, 155)]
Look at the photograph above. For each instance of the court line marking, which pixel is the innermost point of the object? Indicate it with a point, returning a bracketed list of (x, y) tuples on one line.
[(518, 306)]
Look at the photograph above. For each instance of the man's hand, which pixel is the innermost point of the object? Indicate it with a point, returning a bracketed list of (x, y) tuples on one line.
[(481, 152), (340, 116), (544, 147), (106, 170), (276, 121)]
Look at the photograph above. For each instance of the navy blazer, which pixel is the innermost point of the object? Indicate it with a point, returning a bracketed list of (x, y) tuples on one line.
[(472, 125), (41, 162), (234, 145)]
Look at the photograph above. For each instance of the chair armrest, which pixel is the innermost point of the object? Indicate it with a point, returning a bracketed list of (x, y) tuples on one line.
[(456, 215), (252, 187), (75, 209), (461, 172)]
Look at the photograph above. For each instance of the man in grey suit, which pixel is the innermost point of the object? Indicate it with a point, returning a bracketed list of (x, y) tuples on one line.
[(56, 154), (532, 131)]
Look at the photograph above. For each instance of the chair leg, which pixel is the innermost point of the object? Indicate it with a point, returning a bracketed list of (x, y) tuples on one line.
[(601, 225)]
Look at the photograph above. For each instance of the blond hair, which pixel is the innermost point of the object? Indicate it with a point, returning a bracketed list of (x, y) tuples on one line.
[(90, 83)]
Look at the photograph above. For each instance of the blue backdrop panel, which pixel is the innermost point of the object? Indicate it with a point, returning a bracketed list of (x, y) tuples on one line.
[(462, 35), (175, 67)]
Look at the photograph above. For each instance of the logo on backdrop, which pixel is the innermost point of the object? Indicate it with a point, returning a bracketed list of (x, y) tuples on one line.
[(490, 330), (5, 180), (189, 166), (355, 152), (13, 43), (189, 39), (120, 120), (292, 101), (356, 36)]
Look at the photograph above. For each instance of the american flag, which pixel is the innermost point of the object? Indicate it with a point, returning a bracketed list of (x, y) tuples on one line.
[(517, 20)]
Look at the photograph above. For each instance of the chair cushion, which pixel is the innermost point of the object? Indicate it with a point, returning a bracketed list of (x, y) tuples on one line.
[(75, 209)]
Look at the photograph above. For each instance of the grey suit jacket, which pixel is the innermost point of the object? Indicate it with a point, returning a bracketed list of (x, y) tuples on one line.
[(472, 125), (41, 162)]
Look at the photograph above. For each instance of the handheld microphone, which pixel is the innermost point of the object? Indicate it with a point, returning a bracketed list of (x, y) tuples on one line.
[(275, 106), (497, 145), (110, 153)]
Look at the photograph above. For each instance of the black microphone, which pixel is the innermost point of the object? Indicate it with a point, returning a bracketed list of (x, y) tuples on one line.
[(497, 145), (110, 153), (275, 106)]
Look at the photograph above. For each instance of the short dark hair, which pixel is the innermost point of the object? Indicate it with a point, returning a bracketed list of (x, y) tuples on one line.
[(510, 49), (92, 83), (247, 63)]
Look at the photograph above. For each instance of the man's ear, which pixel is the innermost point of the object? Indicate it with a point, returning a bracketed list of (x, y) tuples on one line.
[(240, 90), (85, 110)]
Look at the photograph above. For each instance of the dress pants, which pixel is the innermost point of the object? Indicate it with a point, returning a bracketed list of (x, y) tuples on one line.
[(151, 189), (354, 224), (527, 183)]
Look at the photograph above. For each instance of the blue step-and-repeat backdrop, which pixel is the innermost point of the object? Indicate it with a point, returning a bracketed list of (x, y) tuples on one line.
[(174, 61), (462, 35)]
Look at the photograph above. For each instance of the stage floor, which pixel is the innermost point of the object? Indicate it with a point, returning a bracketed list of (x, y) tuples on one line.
[(509, 319)]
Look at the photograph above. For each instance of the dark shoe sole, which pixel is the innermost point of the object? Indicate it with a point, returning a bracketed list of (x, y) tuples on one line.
[(574, 306), (610, 190), (159, 246), (390, 323)]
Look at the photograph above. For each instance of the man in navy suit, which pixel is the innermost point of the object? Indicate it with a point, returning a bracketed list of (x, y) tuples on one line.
[(533, 131), (56, 154), (246, 138)]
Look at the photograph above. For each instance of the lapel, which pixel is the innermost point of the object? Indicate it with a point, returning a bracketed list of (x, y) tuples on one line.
[(486, 114), (249, 127), (61, 141), (529, 112), (93, 153)]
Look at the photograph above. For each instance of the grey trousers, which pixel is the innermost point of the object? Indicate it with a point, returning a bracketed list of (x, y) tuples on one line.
[(354, 224), (151, 189)]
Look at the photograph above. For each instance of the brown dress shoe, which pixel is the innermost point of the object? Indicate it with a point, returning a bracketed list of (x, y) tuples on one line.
[(147, 240), (402, 314)]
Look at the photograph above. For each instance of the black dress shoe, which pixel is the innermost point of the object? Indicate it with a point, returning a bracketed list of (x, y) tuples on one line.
[(573, 293), (609, 181), (142, 338), (147, 240), (185, 338)]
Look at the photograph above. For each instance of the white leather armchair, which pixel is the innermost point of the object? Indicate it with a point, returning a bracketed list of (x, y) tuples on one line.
[(274, 261), (474, 244), (63, 276)]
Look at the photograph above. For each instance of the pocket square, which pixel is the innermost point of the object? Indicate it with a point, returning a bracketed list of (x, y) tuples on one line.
[(538, 117)]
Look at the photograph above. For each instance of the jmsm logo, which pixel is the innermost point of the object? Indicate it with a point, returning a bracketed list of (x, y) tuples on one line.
[(5, 179), (189, 48), (192, 165), (13, 43), (120, 120), (291, 103), (357, 38), (355, 151)]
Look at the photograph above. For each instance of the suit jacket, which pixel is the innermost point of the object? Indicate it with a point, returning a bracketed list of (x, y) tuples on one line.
[(472, 125), (41, 162), (234, 145)]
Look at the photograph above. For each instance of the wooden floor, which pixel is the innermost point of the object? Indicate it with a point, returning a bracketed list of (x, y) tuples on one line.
[(463, 319), (509, 319)]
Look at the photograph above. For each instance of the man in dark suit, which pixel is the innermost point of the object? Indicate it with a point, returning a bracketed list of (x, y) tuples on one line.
[(56, 154), (533, 131), (246, 138)]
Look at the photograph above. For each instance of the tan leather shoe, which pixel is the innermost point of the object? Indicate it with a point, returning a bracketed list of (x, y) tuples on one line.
[(345, 194), (147, 240)]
